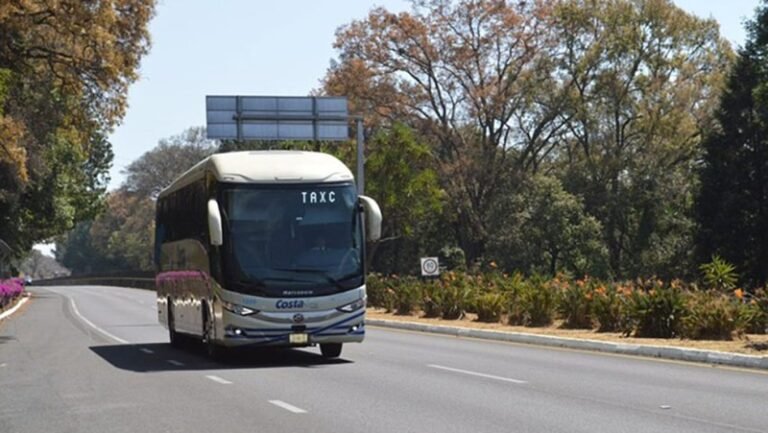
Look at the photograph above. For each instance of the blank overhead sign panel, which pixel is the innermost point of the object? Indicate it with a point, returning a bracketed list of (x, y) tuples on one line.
[(277, 118)]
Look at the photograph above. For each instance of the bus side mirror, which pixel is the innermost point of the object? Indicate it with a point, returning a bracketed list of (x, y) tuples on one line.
[(214, 223), (372, 218)]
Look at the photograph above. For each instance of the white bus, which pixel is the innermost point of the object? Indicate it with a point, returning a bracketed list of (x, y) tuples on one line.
[(264, 248)]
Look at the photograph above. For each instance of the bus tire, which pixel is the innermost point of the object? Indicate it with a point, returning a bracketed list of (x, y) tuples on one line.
[(330, 350), (213, 350), (173, 336)]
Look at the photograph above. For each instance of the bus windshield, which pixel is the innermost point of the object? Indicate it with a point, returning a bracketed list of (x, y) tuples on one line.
[(297, 240)]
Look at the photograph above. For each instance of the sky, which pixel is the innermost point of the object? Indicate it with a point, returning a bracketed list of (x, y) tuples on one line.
[(245, 47), (249, 47)]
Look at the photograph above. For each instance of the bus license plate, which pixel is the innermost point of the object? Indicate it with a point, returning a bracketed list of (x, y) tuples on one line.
[(298, 339)]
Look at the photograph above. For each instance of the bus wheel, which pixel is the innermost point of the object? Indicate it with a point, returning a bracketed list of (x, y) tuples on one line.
[(213, 350), (172, 334), (330, 350)]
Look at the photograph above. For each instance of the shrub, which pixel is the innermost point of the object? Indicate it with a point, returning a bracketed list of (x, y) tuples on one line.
[(655, 311), (608, 307), (407, 295), (375, 287), (432, 299), (753, 311), (533, 303), (710, 316), (719, 274), (456, 296), (573, 303), (490, 306)]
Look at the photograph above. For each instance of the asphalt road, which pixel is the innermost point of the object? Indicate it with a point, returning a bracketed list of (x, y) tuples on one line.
[(94, 359)]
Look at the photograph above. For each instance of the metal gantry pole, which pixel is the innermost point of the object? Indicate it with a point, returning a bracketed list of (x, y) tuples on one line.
[(360, 157)]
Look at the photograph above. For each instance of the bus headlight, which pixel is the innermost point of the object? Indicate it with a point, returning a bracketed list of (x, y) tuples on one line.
[(360, 303), (240, 310)]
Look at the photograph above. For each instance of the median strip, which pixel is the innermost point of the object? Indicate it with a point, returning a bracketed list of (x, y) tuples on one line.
[(474, 373), (287, 406)]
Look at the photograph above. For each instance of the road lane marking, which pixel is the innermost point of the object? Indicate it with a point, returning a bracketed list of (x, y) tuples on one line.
[(219, 380), (15, 308), (474, 373), (287, 406), (3, 365), (89, 323), (539, 347), (176, 363), (147, 351)]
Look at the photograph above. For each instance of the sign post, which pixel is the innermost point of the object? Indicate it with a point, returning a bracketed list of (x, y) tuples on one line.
[(284, 118)]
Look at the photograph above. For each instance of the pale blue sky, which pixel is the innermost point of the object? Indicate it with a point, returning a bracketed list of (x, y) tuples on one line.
[(262, 47)]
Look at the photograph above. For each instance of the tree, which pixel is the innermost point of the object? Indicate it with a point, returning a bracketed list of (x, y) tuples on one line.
[(157, 168), (121, 238), (464, 76), (400, 177), (645, 76), (64, 72), (546, 230), (732, 203)]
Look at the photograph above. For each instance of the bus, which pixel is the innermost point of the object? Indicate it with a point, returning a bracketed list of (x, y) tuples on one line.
[(264, 248)]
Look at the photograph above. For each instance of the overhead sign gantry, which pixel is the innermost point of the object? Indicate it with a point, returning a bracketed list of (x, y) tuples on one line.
[(283, 118)]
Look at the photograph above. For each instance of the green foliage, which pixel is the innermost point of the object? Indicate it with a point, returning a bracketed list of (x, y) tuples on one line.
[(157, 168), (453, 258), (655, 310), (532, 303), (545, 229), (608, 307), (376, 290), (490, 306), (719, 274), (753, 311), (731, 205), (407, 294), (574, 301), (710, 315), (65, 72), (432, 302), (456, 295)]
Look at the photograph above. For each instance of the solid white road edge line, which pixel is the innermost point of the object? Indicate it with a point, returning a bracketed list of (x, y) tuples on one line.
[(15, 308), (89, 323), (219, 380), (288, 407), (474, 373), (176, 363)]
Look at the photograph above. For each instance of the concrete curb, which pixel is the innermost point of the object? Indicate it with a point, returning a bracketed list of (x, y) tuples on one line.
[(7, 313), (674, 353)]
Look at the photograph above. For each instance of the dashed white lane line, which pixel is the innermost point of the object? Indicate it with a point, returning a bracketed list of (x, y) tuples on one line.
[(287, 406), (219, 380), (147, 351), (474, 373), (176, 363), (89, 323), (3, 365)]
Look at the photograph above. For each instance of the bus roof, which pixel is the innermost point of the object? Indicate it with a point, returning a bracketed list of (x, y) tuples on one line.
[(266, 167)]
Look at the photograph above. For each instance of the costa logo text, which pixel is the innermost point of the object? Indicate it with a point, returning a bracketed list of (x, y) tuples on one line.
[(282, 304)]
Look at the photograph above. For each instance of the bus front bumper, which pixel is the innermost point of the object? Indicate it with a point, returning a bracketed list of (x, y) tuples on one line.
[(345, 329)]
